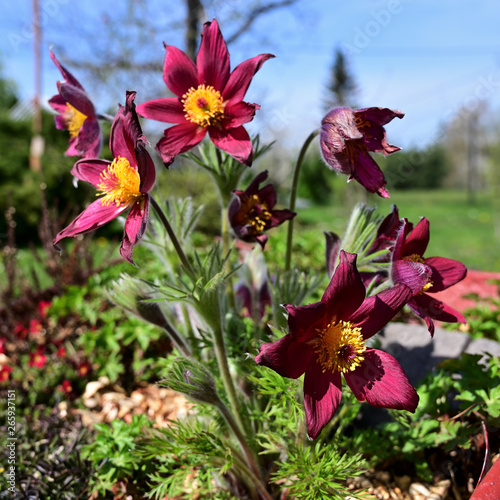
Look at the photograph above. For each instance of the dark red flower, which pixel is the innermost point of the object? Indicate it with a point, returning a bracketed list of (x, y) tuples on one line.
[(425, 275), (347, 136), (77, 115), (251, 212), (37, 358), (209, 99), (124, 183), (327, 339), (83, 368)]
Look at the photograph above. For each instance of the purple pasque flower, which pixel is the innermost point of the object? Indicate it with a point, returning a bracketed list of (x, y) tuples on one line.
[(252, 211), (425, 276), (327, 340), (123, 183), (209, 99), (77, 114), (347, 136)]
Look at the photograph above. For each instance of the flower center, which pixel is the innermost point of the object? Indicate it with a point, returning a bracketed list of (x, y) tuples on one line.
[(414, 257), (203, 105), (340, 347), (74, 120), (253, 213), (120, 184)]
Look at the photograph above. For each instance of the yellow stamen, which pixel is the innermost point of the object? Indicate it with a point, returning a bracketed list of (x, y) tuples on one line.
[(340, 347), (74, 120), (120, 184), (203, 105), (414, 257), (249, 215)]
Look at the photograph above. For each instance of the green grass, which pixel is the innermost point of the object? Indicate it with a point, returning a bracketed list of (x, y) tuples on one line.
[(466, 232)]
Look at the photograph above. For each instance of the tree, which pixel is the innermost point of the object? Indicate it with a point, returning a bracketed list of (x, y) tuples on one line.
[(342, 88)]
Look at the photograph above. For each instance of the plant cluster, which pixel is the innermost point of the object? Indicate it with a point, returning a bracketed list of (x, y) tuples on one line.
[(273, 359)]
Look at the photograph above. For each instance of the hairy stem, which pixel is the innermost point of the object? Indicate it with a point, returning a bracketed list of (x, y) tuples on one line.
[(293, 196), (173, 237)]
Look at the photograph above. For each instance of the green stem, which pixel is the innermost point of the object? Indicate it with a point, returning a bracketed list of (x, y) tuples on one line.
[(220, 351), (172, 236), (225, 250), (250, 458), (293, 196)]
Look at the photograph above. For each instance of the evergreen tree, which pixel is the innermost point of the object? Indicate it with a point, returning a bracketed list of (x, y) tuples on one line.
[(342, 88)]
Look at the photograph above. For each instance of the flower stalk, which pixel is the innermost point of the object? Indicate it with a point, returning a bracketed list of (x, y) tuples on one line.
[(293, 196)]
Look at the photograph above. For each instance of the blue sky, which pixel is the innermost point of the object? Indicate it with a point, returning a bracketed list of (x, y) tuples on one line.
[(424, 57)]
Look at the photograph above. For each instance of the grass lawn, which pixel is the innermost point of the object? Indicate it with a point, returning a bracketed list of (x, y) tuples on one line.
[(466, 232)]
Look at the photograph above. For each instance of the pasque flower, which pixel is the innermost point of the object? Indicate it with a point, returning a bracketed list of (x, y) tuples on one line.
[(347, 136), (76, 114), (209, 99), (252, 211), (123, 183), (327, 340), (425, 275)]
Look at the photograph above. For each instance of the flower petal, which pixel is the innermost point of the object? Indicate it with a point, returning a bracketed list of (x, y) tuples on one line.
[(213, 57), (58, 104), (242, 75), (381, 381), (89, 139), (305, 321), (286, 356), (239, 114), (179, 71), (368, 174), (333, 242), (322, 394), (373, 120), (417, 241), (427, 307), (377, 310), (345, 292), (234, 141), (126, 131), (145, 168), (65, 73), (445, 272), (169, 110), (135, 225), (90, 170), (78, 98), (412, 274), (94, 216), (179, 139), (279, 216)]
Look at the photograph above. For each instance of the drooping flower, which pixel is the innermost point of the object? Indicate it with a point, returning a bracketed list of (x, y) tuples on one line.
[(347, 136), (251, 212), (327, 340), (425, 276), (77, 115), (38, 358), (209, 99), (123, 183)]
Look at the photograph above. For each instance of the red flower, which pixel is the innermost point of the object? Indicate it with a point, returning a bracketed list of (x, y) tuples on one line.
[(209, 99), (66, 387), (35, 326), (43, 307), (61, 352), (124, 183), (83, 368), (2, 342), (20, 330), (327, 339), (425, 275), (5, 371), (346, 138), (251, 212), (77, 115), (37, 358)]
